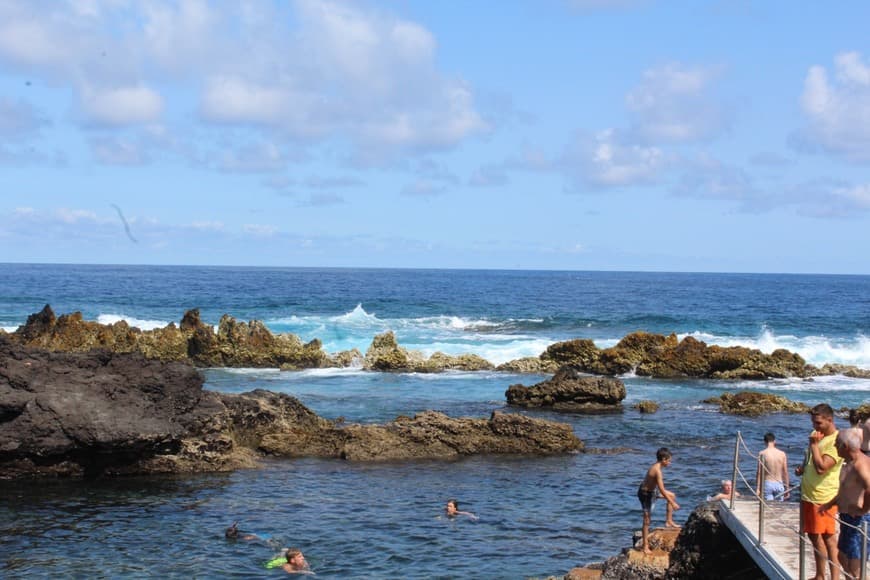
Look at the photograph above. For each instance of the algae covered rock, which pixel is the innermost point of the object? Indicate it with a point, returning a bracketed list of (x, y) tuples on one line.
[(569, 390), (754, 404), (646, 406)]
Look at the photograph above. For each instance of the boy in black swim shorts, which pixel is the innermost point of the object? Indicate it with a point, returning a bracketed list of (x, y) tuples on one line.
[(654, 482)]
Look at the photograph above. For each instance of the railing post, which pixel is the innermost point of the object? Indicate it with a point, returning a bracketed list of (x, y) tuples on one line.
[(761, 507), (802, 540), (734, 472), (864, 550)]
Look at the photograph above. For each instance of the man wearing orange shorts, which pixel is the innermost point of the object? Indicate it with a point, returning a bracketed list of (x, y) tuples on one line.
[(819, 485)]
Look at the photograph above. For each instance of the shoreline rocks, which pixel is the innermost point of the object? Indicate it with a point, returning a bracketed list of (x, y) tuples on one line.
[(103, 413), (252, 344)]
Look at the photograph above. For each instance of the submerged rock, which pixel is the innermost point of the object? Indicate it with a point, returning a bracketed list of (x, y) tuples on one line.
[(569, 390), (103, 413), (753, 404), (646, 406)]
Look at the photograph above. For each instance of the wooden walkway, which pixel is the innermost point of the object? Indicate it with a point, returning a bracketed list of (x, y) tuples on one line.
[(778, 555)]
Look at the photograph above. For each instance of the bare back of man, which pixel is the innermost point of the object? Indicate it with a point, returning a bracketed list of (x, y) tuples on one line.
[(773, 468)]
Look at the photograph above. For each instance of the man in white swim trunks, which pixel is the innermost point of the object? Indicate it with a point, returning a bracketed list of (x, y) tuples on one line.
[(772, 476)]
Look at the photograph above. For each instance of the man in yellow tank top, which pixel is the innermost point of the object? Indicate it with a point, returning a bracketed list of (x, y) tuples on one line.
[(819, 484)]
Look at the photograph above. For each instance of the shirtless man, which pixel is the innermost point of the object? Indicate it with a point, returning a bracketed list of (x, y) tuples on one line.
[(865, 435), (727, 491), (654, 482), (852, 501), (772, 476)]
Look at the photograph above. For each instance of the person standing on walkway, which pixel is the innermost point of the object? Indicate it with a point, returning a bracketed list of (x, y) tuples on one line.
[(772, 477), (852, 501), (819, 485)]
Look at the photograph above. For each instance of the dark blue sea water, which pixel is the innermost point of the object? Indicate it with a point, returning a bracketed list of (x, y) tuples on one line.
[(537, 516)]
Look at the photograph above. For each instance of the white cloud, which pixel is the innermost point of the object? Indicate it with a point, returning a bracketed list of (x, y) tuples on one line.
[(838, 111), (607, 159), (674, 104), (74, 216), (118, 151), (322, 200), (18, 119), (709, 178), (424, 188), (488, 176), (260, 230), (236, 100), (858, 195), (207, 226), (122, 105), (258, 157), (311, 69), (851, 71)]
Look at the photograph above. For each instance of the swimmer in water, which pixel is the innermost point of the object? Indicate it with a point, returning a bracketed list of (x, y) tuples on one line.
[(233, 533), (296, 563), (452, 510)]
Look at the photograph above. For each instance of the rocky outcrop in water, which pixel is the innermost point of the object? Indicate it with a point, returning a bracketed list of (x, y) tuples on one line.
[(251, 344), (706, 549), (385, 354), (103, 413), (654, 355), (753, 404), (569, 390), (703, 549)]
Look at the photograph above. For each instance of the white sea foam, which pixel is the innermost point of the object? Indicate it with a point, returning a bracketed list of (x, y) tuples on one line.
[(500, 341), (816, 350), (137, 322), (9, 329)]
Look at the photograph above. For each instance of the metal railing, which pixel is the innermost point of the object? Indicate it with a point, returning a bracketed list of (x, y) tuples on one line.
[(761, 471)]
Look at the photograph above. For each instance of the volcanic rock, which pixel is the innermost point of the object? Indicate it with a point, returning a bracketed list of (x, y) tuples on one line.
[(569, 390), (103, 413), (753, 404)]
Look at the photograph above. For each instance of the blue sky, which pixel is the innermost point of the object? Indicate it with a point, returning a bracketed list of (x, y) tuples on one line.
[(557, 134)]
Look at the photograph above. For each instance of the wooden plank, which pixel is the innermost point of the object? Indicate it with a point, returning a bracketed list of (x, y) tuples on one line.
[(778, 555)]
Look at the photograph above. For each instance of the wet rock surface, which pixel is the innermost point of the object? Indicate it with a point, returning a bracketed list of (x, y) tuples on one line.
[(702, 549), (753, 404), (250, 344), (103, 413), (570, 390)]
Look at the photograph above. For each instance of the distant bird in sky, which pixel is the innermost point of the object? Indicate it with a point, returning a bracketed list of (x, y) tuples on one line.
[(126, 225)]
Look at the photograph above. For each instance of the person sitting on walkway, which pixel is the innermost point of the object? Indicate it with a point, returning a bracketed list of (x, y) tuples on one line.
[(772, 479)]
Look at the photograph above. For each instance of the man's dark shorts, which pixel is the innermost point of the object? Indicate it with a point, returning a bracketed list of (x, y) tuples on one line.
[(849, 543)]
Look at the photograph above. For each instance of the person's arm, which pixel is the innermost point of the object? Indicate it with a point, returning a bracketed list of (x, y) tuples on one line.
[(823, 508), (668, 495), (759, 477), (821, 463), (785, 475)]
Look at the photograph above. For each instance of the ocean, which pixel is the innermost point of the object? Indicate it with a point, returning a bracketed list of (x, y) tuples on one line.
[(537, 516)]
